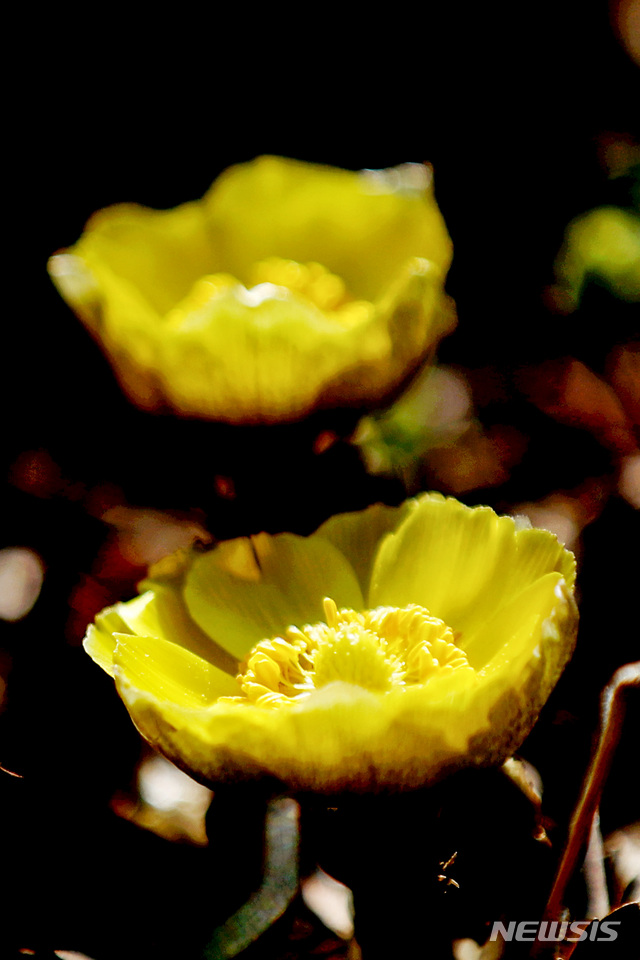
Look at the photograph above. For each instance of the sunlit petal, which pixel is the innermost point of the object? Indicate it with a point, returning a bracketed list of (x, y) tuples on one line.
[(248, 590)]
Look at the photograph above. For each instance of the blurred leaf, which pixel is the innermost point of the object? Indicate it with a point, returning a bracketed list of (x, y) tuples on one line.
[(433, 411), (572, 394), (623, 371)]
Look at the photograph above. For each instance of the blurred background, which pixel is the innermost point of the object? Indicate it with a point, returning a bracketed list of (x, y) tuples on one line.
[(530, 120)]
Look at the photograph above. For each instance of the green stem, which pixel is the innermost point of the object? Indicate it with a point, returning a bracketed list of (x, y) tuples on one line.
[(279, 885)]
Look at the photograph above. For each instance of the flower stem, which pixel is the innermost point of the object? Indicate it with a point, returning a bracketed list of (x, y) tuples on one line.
[(277, 890)]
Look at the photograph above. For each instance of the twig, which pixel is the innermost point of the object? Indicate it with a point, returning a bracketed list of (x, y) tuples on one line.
[(612, 709), (595, 876), (11, 773)]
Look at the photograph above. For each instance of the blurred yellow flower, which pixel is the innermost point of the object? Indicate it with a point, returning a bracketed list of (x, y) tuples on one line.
[(289, 286), (385, 650)]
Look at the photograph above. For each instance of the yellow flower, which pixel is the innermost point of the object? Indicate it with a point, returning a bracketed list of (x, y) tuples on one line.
[(385, 650), (289, 286)]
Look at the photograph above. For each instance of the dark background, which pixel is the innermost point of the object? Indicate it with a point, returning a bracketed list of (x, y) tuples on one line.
[(509, 105)]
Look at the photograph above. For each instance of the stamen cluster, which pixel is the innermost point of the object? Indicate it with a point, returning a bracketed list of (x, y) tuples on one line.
[(384, 649)]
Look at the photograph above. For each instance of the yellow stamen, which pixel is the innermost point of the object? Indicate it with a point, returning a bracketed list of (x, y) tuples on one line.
[(384, 649), (309, 280), (314, 282)]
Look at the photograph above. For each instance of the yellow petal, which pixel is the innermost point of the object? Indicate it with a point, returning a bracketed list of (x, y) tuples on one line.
[(505, 634), (169, 672), (274, 582), (358, 536), (258, 350), (100, 640), (269, 350), (215, 743), (162, 613), (119, 316), (460, 563), (161, 253), (361, 226)]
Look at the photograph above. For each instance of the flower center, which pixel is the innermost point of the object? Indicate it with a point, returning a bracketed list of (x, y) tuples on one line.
[(384, 649), (309, 280)]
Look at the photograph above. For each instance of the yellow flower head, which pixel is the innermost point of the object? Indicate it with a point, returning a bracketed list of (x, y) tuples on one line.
[(289, 286), (385, 650)]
